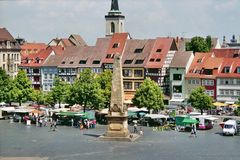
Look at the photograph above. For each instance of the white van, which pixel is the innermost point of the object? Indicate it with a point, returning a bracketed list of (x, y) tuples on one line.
[(230, 127)]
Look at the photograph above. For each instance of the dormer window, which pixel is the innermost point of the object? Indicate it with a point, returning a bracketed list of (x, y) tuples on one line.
[(238, 69), (159, 50), (158, 60), (8, 44), (226, 70), (108, 56), (63, 62), (82, 62), (71, 62), (138, 50), (128, 61), (115, 45), (151, 60), (139, 61), (37, 60), (199, 60), (96, 62)]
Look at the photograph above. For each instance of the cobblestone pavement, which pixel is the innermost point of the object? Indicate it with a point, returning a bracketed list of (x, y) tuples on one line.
[(18, 142)]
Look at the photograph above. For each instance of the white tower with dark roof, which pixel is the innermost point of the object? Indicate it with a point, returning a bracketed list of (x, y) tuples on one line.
[(114, 20)]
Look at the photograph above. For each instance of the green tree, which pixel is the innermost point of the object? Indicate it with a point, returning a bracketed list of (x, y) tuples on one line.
[(200, 100), (11, 92), (4, 84), (59, 91), (209, 42), (38, 96), (105, 81), (149, 95), (85, 90), (50, 99), (23, 87), (197, 44)]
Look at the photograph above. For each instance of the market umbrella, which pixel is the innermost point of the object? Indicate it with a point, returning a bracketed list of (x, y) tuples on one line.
[(234, 105), (189, 121), (219, 104)]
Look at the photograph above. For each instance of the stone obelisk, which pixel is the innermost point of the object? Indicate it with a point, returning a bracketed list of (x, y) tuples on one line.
[(117, 127)]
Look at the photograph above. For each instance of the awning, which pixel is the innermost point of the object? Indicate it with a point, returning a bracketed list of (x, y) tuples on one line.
[(155, 116), (211, 118), (8, 109), (177, 100), (219, 104), (229, 102), (135, 109), (189, 121)]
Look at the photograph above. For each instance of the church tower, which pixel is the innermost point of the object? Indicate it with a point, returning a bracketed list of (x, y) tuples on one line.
[(114, 20)]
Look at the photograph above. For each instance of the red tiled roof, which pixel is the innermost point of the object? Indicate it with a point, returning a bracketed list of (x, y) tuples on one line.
[(41, 55), (159, 51), (32, 46), (226, 52), (138, 59), (5, 35), (197, 64), (233, 63), (117, 39)]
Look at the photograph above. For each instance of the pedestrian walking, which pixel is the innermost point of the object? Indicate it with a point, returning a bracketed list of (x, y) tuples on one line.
[(193, 131), (135, 128), (141, 131)]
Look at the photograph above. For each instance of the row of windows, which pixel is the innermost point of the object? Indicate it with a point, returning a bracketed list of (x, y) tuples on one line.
[(193, 81), (207, 82), (229, 92), (209, 92), (50, 76), (129, 85), (131, 73), (229, 81), (10, 68), (83, 62), (14, 57)]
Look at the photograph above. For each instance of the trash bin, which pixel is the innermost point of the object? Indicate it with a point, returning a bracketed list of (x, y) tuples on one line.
[(28, 122)]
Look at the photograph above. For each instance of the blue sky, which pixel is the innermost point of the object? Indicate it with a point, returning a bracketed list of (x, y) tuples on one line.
[(42, 20)]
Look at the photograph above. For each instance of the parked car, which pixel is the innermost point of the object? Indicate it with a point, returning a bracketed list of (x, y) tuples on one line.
[(230, 127)]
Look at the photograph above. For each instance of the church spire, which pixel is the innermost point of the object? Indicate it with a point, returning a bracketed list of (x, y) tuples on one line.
[(114, 20), (114, 5)]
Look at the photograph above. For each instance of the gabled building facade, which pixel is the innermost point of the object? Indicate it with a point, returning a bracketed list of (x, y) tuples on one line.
[(157, 66), (10, 56), (178, 69), (32, 64), (228, 81)]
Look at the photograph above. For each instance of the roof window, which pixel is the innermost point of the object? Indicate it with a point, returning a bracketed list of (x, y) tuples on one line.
[(199, 60), (138, 50), (158, 60), (128, 61), (71, 62), (159, 50), (82, 62), (139, 61), (63, 62), (115, 45), (151, 60), (108, 56), (226, 70), (96, 62)]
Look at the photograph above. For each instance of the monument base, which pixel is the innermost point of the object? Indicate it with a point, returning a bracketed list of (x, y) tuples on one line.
[(117, 128)]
